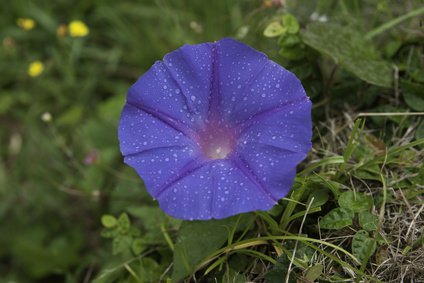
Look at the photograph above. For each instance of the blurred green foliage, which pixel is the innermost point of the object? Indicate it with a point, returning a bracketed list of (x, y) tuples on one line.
[(61, 174)]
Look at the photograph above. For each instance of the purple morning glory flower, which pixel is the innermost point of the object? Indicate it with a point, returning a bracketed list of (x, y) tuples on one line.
[(216, 129)]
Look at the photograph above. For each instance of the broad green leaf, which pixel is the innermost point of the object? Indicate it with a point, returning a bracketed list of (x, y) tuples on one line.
[(279, 272), (109, 233), (368, 173), (363, 246), (349, 49), (198, 239), (289, 40), (314, 272), (320, 198), (417, 74), (150, 270), (292, 53), (121, 244), (109, 221), (387, 108), (413, 94), (290, 23), (337, 218), (124, 224), (274, 29), (355, 201), (368, 221), (152, 218), (138, 246)]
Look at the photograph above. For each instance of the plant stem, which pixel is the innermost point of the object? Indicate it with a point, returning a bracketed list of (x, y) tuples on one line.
[(393, 23)]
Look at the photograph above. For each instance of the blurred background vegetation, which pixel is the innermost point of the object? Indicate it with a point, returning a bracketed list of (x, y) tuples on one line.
[(65, 67)]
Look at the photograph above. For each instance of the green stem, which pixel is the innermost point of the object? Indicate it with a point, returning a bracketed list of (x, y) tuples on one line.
[(394, 22)]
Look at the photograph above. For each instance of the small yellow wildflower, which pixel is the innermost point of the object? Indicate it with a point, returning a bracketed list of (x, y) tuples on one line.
[(26, 23), (61, 30), (78, 29), (35, 69)]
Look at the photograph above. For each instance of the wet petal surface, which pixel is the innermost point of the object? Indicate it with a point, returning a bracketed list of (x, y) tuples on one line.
[(215, 189), (216, 129)]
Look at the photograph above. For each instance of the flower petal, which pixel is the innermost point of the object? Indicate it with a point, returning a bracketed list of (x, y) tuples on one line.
[(271, 147), (140, 130), (274, 87), (238, 65), (191, 68), (250, 83), (152, 146), (161, 165), (216, 189), (159, 91)]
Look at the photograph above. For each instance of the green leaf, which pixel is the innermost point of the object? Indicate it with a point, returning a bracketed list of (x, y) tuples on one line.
[(109, 233), (71, 116), (314, 272), (292, 53), (198, 239), (121, 244), (274, 29), (413, 94), (368, 221), (138, 246), (349, 49), (150, 216), (320, 198), (109, 221), (150, 271), (337, 218), (355, 201), (291, 23), (124, 224), (363, 247), (289, 40), (279, 272)]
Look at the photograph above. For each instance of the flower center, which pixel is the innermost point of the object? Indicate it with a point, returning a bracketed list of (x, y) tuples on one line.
[(217, 141)]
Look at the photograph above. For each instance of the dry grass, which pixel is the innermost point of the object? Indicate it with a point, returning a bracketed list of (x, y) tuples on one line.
[(400, 253)]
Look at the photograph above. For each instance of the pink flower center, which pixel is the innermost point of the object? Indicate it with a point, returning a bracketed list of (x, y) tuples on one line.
[(217, 141)]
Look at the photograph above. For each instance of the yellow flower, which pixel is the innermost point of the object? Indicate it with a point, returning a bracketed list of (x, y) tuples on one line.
[(35, 69), (78, 29), (26, 23)]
